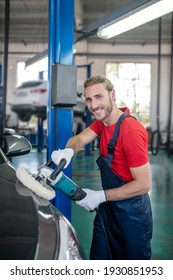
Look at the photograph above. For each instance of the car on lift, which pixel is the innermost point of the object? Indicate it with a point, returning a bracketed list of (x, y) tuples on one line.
[(30, 226), (79, 114), (31, 98)]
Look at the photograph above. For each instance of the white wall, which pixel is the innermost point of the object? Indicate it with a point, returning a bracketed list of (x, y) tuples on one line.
[(99, 55)]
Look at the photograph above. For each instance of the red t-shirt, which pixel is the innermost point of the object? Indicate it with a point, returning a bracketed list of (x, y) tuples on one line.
[(131, 149)]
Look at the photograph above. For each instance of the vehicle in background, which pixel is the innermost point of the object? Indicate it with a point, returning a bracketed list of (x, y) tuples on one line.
[(79, 114), (31, 98), (30, 226)]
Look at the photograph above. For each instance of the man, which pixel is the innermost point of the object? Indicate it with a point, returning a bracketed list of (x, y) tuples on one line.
[(123, 221)]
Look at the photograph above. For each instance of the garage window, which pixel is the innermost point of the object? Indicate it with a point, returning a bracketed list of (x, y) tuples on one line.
[(132, 83)]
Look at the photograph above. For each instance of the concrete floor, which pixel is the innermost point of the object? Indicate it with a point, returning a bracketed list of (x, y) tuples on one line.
[(86, 174)]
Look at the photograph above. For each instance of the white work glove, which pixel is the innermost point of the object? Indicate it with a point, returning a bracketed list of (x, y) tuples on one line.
[(92, 199), (66, 153)]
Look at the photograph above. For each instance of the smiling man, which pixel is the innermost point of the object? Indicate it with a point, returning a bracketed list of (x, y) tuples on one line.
[(123, 221)]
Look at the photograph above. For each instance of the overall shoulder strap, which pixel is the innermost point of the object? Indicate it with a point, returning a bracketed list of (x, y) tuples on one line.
[(113, 141)]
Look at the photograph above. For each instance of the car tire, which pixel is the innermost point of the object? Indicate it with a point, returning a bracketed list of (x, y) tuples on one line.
[(25, 117)]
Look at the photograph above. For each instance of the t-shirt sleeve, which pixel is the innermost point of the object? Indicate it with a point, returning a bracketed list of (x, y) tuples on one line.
[(135, 145), (96, 127)]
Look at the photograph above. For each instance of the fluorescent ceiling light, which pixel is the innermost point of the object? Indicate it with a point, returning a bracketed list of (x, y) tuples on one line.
[(135, 18)]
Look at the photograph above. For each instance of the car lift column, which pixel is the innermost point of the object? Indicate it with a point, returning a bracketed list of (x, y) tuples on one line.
[(61, 38)]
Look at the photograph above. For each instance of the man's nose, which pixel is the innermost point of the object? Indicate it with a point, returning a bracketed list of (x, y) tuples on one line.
[(94, 104)]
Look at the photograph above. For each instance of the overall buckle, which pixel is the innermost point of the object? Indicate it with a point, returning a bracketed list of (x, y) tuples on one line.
[(110, 148)]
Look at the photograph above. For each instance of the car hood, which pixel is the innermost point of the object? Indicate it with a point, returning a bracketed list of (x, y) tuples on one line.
[(31, 227), (18, 219)]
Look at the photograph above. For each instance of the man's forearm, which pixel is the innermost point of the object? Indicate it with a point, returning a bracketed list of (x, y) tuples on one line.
[(80, 140), (131, 189), (75, 143)]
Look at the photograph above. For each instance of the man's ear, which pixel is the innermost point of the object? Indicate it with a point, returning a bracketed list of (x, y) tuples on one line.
[(113, 94)]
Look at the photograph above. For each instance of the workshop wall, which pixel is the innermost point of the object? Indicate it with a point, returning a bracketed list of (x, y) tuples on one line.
[(98, 55)]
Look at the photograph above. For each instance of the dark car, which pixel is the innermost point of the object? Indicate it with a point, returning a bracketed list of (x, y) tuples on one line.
[(30, 226)]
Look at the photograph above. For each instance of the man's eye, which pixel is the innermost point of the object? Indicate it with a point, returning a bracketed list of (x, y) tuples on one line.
[(99, 97)]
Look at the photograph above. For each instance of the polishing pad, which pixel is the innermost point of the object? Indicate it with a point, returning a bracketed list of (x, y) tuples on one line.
[(40, 188)]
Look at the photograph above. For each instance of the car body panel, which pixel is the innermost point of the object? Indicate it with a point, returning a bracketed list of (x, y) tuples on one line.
[(30, 226), (18, 219)]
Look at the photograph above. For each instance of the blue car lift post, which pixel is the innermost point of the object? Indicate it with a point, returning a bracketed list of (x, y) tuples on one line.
[(60, 51), (40, 129)]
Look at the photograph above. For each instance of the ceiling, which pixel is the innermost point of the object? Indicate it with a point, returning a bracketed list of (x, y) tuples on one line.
[(29, 22)]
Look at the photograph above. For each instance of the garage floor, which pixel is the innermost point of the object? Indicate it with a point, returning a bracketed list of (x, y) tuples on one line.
[(86, 174)]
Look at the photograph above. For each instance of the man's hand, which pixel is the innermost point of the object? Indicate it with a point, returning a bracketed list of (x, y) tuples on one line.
[(92, 199), (66, 153)]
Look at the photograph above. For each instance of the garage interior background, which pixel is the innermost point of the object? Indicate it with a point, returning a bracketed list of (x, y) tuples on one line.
[(28, 36), (28, 39)]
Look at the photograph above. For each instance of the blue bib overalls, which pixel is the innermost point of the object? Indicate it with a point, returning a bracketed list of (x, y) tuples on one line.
[(122, 229)]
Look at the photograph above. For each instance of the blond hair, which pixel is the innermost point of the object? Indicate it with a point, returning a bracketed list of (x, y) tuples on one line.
[(99, 79)]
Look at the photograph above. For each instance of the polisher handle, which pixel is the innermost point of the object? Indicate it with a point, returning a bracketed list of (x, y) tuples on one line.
[(58, 169)]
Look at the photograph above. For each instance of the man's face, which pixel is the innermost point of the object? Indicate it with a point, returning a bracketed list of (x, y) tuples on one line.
[(99, 101)]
